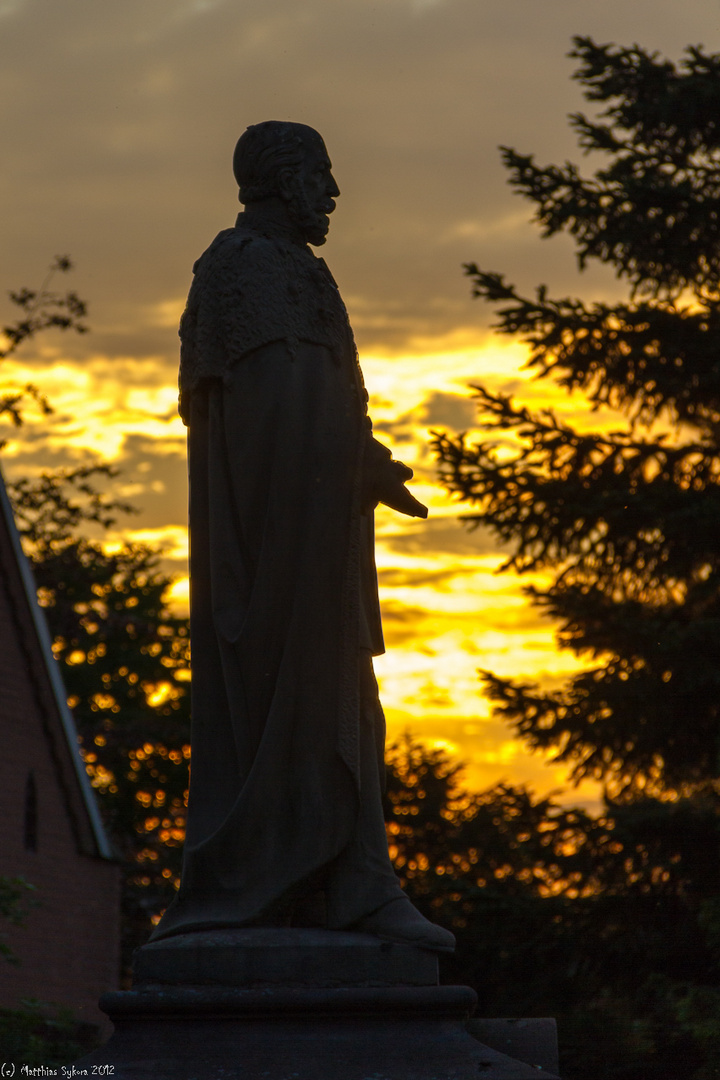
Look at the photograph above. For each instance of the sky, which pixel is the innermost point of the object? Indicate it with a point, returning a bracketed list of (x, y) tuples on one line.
[(117, 125)]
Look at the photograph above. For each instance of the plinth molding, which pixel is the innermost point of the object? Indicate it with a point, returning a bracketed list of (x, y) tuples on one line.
[(302, 1005)]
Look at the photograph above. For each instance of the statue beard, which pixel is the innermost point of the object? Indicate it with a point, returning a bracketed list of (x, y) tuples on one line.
[(312, 222)]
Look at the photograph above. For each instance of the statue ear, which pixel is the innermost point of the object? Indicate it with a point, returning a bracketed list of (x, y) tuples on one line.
[(286, 184)]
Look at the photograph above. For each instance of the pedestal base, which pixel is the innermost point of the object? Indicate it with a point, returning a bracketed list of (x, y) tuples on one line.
[(379, 1025)]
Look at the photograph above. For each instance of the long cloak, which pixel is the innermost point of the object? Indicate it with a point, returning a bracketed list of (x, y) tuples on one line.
[(277, 434)]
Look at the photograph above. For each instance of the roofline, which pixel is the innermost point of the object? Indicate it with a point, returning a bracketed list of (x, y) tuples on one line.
[(56, 683)]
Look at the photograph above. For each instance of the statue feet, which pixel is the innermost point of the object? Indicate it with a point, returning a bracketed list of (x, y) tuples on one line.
[(401, 922)]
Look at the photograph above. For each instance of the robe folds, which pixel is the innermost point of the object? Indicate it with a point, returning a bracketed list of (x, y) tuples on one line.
[(282, 576)]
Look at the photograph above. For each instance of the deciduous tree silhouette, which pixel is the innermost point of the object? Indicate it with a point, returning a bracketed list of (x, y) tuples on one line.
[(125, 664), (41, 309), (124, 654)]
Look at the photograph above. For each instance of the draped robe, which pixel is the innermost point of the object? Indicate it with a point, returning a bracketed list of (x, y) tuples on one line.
[(283, 582)]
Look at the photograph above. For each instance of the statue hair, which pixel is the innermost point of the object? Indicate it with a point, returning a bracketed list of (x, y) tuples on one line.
[(262, 151)]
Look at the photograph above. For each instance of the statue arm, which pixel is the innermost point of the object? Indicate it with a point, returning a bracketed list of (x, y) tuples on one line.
[(384, 481)]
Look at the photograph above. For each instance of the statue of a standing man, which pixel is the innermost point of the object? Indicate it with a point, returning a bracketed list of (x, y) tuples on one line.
[(288, 733)]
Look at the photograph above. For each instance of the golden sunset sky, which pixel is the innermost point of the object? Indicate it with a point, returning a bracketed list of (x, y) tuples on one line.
[(117, 125)]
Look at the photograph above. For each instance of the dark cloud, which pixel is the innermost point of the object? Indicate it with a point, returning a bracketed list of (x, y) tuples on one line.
[(117, 124), (152, 474), (448, 410), (393, 577), (402, 623), (439, 410), (158, 481), (444, 537)]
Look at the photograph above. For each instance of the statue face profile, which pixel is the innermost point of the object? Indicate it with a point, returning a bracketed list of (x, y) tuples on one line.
[(311, 191), (283, 171)]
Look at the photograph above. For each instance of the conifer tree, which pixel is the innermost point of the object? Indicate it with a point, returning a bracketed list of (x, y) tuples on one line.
[(625, 522), (622, 521)]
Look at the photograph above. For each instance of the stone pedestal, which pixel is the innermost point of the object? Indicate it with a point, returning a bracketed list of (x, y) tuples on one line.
[(277, 1004)]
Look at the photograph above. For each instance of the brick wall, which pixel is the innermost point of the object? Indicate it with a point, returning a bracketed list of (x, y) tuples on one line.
[(69, 946)]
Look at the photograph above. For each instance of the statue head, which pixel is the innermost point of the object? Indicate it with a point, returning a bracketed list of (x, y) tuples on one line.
[(287, 165)]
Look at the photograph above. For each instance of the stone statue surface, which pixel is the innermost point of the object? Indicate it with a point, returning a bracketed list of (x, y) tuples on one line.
[(285, 823)]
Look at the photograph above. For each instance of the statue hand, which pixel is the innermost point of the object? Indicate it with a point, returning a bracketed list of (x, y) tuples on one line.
[(385, 483)]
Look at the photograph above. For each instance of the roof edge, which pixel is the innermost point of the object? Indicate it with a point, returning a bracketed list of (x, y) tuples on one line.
[(53, 670)]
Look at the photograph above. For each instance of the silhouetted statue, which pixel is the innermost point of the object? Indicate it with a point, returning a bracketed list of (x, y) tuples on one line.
[(288, 733)]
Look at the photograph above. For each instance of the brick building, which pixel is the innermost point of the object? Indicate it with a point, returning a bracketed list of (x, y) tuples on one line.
[(50, 829)]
